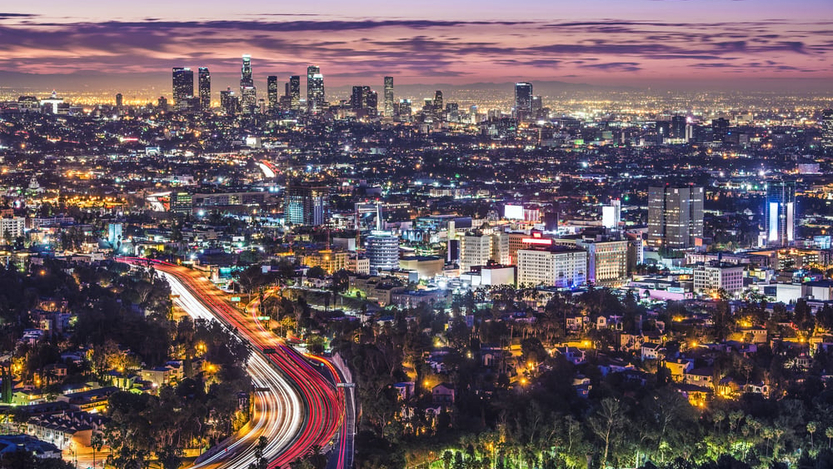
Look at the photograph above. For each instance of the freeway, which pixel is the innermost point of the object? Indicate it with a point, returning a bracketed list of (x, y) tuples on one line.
[(301, 410), (278, 412)]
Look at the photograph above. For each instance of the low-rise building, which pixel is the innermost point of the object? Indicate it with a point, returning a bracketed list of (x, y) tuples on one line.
[(709, 279), (426, 267), (40, 449), (94, 399), (329, 260), (66, 427), (553, 266)]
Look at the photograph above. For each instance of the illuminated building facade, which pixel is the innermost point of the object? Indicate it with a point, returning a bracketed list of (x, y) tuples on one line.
[(205, 88), (272, 92), (248, 92), (523, 100), (315, 89), (183, 87), (675, 216), (388, 97), (307, 205), (295, 92), (780, 213)]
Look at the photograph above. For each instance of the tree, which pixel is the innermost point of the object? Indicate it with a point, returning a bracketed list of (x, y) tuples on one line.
[(96, 443), (316, 272), (260, 459), (811, 429), (722, 320), (170, 457), (606, 422), (448, 457), (6, 385), (314, 459), (803, 317)]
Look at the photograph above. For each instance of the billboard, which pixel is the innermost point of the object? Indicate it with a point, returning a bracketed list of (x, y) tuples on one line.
[(513, 212)]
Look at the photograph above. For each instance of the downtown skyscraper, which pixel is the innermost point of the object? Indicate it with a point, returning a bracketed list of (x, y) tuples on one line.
[(358, 99), (272, 92), (388, 97), (248, 92), (295, 92), (183, 87), (315, 90), (205, 88), (827, 129), (523, 100)]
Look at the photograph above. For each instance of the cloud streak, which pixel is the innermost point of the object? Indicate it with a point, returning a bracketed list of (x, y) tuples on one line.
[(415, 49)]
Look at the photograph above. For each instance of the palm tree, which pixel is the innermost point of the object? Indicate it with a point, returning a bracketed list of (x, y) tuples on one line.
[(811, 428), (96, 442)]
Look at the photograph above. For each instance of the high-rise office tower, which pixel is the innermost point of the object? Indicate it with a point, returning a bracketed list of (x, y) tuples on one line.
[(183, 87), (372, 104), (205, 88), (358, 99), (248, 92), (315, 89), (119, 100), (827, 129), (720, 129), (551, 219), (229, 102), (295, 92), (523, 100), (284, 102), (475, 250), (307, 205), (678, 125), (780, 213), (405, 110), (382, 251), (438, 103), (452, 112), (537, 105), (272, 92), (246, 71), (388, 97), (675, 216)]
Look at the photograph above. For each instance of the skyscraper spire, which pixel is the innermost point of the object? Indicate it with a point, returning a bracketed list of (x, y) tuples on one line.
[(248, 92)]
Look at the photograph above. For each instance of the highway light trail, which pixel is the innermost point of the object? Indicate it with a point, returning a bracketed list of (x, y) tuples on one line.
[(278, 412), (302, 409)]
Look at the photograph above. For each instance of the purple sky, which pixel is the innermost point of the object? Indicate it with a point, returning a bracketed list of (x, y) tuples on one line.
[(608, 42)]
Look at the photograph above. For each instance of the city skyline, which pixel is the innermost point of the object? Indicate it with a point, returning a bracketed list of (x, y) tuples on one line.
[(672, 44)]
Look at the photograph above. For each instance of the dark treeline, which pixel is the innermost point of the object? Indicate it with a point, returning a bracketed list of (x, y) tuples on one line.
[(543, 423), (122, 321)]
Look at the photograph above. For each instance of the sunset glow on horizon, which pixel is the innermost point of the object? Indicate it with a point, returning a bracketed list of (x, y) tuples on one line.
[(636, 43)]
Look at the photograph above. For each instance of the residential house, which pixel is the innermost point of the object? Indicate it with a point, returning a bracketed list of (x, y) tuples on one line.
[(703, 377), (652, 351), (443, 394), (678, 368)]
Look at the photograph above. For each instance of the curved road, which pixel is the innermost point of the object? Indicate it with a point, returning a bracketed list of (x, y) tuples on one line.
[(278, 412), (300, 411)]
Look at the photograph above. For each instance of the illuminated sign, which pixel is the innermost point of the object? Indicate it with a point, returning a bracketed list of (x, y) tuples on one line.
[(547, 242), (773, 221), (235, 299)]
